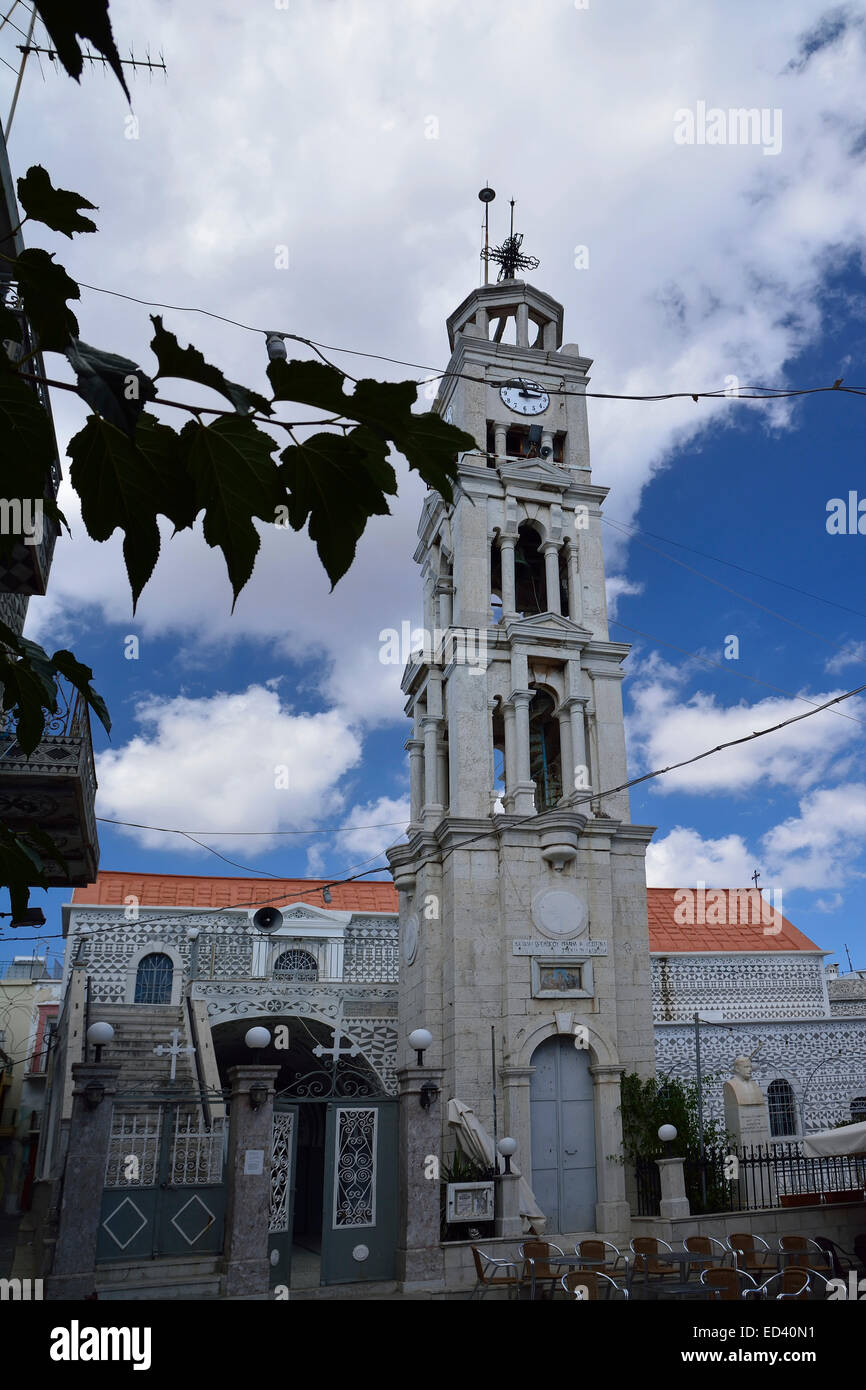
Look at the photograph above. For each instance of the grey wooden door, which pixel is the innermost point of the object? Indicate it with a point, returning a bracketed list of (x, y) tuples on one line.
[(563, 1136), (359, 1226)]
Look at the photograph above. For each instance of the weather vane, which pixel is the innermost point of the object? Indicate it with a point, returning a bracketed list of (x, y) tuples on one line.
[(508, 256)]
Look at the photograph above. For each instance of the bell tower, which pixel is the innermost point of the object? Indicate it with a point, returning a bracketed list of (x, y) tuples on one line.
[(523, 915)]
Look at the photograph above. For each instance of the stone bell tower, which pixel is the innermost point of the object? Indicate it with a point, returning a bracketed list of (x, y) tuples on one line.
[(522, 886)]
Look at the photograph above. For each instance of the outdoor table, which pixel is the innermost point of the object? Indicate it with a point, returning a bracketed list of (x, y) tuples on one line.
[(683, 1258)]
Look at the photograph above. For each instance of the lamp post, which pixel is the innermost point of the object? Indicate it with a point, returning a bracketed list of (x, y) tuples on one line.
[(99, 1035), (507, 1146), (421, 1039), (667, 1134), (831, 1058)]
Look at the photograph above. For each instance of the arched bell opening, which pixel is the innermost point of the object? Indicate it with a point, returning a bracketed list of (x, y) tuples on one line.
[(529, 578), (545, 754)]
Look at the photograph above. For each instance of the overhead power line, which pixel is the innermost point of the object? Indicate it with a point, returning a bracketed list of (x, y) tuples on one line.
[(748, 392)]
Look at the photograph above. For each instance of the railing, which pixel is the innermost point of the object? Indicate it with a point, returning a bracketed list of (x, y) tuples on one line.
[(755, 1178)]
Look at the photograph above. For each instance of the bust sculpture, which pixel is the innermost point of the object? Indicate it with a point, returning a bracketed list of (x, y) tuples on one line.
[(743, 1089)]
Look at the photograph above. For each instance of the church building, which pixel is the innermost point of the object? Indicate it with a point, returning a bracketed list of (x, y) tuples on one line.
[(505, 981)]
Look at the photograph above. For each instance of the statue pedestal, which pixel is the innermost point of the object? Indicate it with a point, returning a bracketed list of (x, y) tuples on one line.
[(747, 1121)]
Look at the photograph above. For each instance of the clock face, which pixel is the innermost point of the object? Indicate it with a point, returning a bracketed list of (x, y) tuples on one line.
[(524, 397)]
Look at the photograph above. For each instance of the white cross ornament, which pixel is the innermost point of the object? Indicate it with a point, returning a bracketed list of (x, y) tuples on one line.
[(174, 1051)]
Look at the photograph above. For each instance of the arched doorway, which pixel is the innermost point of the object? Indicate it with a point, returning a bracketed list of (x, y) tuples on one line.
[(562, 1123)]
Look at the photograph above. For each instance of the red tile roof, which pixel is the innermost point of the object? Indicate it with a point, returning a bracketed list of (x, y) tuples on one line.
[(187, 890), (667, 934), (678, 923)]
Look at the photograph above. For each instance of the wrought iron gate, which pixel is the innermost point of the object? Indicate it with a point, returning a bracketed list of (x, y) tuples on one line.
[(164, 1182), (359, 1204)]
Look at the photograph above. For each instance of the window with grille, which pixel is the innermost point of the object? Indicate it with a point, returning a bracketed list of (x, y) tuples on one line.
[(296, 965), (782, 1108), (153, 979)]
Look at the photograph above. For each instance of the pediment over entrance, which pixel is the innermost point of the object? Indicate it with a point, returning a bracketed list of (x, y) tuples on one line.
[(308, 919)]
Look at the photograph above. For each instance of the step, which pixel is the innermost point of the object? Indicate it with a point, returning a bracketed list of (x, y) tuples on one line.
[(168, 1289), (191, 1267)]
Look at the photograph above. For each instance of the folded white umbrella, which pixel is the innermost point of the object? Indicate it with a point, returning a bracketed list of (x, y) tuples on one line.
[(850, 1139)]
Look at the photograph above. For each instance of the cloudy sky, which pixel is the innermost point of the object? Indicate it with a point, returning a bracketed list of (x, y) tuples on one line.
[(356, 136)]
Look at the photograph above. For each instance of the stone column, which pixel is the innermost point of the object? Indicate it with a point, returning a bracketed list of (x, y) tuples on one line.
[(523, 325), (419, 1250), (415, 748), (510, 755), (674, 1202), (551, 571), (73, 1274), (499, 435), (506, 551), (444, 592), (575, 706), (575, 597), (516, 1083), (442, 773), (612, 1211), (433, 808), (248, 1193), (567, 757), (524, 790)]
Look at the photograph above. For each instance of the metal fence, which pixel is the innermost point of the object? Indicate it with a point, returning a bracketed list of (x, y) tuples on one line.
[(755, 1178)]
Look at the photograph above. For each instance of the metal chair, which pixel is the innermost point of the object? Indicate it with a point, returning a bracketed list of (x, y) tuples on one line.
[(793, 1282), (598, 1250), (841, 1261), (800, 1245), (703, 1245), (535, 1255), (485, 1265), (725, 1283), (585, 1284), (747, 1255), (649, 1246)]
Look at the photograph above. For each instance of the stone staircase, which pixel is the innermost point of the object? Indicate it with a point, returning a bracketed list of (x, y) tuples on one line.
[(138, 1029)]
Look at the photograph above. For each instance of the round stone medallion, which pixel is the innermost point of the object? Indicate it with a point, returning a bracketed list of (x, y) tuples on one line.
[(361, 1253), (559, 914), (410, 938)]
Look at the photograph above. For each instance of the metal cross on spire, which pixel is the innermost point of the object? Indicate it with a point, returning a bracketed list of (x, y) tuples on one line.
[(508, 256)]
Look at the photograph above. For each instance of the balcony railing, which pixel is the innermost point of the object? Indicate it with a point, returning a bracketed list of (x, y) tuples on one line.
[(54, 788)]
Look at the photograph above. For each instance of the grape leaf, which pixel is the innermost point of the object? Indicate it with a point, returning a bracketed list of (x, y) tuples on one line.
[(337, 483), (115, 387), (87, 19), (117, 487), (11, 328), (44, 288), (235, 479), (189, 364), (313, 383), (26, 440), (57, 208), (173, 487)]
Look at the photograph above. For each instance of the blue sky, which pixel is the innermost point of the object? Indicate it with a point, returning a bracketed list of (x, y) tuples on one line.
[(357, 135)]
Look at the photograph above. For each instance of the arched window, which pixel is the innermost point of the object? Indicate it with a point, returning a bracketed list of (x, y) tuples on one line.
[(153, 979), (545, 760), (782, 1108), (858, 1110), (296, 965)]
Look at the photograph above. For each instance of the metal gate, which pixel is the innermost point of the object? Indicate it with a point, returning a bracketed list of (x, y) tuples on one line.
[(164, 1182), (359, 1202)]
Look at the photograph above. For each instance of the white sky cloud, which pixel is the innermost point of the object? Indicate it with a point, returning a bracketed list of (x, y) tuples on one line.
[(380, 823), (665, 728), (215, 763)]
